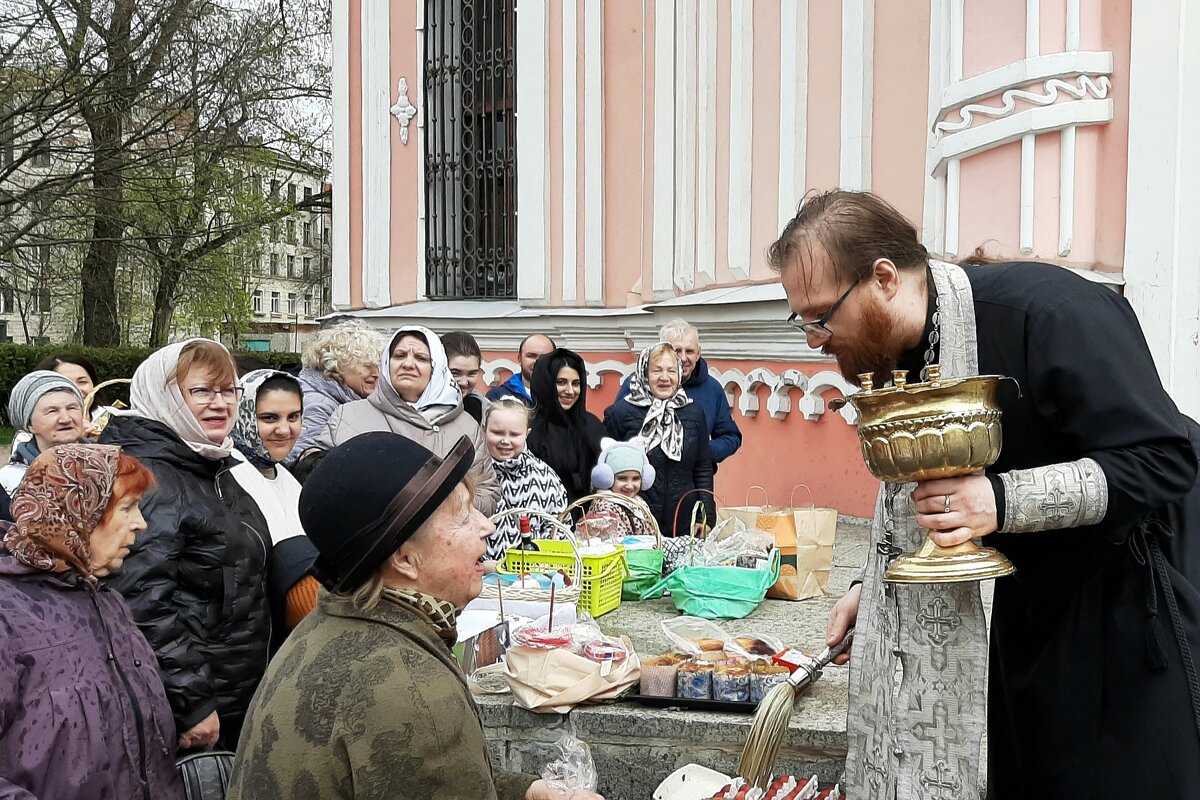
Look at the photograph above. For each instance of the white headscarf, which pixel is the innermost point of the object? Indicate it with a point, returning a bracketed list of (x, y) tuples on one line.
[(154, 395), (441, 393)]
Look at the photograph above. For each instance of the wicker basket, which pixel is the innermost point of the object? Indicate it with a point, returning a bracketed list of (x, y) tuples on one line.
[(492, 591)]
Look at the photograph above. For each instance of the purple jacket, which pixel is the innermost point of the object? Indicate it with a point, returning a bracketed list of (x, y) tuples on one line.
[(82, 708), (322, 397)]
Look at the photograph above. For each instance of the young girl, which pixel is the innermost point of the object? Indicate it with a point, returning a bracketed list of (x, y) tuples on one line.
[(525, 480), (624, 468)]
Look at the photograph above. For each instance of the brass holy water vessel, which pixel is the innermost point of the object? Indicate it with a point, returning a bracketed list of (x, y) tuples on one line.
[(924, 431)]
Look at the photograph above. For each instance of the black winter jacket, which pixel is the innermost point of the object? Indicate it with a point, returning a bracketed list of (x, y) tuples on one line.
[(673, 479), (196, 580)]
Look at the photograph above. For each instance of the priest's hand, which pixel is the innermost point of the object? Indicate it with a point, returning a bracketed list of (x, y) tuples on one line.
[(842, 619), (971, 504)]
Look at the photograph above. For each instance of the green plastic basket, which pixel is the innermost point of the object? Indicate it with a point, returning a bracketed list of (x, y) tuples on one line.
[(600, 591)]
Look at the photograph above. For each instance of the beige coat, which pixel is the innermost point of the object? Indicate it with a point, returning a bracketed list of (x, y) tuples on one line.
[(385, 411)]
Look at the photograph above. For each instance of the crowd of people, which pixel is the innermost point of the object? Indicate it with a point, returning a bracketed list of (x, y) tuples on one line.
[(159, 561)]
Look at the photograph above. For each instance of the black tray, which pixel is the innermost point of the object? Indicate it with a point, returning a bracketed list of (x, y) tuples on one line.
[(698, 705)]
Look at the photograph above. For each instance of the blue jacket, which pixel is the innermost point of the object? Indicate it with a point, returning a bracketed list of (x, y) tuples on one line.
[(708, 394), (513, 387)]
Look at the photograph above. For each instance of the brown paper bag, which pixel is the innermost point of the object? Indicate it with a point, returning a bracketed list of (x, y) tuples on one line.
[(804, 537), (555, 681)]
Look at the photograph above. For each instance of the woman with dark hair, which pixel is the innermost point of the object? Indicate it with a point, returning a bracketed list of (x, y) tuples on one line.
[(563, 433), (75, 367), (269, 418), (82, 707), (196, 581)]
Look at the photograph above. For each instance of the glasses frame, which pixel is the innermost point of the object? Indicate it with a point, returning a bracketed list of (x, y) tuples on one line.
[(197, 392), (819, 327)]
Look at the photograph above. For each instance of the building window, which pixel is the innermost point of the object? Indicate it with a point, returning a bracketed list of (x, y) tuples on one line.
[(308, 193), (470, 149), (274, 263), (291, 231), (291, 266), (41, 157), (256, 302), (308, 233), (274, 302), (308, 305), (275, 187), (291, 304), (307, 266), (325, 296), (43, 256), (292, 194), (40, 301), (8, 301)]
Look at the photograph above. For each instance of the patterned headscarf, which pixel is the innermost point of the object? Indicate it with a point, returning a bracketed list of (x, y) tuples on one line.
[(661, 426), (245, 430), (58, 505)]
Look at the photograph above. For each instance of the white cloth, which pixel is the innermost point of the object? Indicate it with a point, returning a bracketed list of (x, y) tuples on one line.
[(155, 396), (441, 394), (278, 499)]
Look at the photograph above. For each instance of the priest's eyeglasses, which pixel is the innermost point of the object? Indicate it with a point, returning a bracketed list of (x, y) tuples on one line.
[(819, 328)]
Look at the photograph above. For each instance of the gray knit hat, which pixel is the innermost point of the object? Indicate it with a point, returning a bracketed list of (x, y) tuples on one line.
[(29, 390)]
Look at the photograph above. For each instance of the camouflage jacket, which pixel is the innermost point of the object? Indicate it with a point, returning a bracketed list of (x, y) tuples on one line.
[(366, 704)]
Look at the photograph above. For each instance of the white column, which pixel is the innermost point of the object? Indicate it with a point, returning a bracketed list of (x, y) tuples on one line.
[(1066, 157), (934, 213), (339, 290), (663, 243), (533, 152), (686, 79), (1033, 46), (858, 63), (793, 107), (593, 142), (570, 150), (417, 96), (376, 155), (706, 146), (741, 132), (1162, 239), (953, 169)]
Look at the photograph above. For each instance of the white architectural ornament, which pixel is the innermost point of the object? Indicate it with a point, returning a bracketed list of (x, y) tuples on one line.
[(1085, 85), (403, 110)]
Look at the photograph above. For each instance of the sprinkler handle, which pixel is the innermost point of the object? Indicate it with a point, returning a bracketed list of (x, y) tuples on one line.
[(807, 673)]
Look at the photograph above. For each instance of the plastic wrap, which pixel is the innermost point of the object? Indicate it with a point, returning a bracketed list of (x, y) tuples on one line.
[(572, 769)]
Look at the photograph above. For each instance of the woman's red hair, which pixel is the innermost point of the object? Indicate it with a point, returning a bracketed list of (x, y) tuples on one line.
[(132, 479)]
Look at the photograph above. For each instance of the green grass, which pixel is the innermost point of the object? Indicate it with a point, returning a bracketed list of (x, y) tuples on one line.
[(7, 434)]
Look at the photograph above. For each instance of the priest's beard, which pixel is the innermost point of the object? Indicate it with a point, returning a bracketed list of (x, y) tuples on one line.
[(877, 350)]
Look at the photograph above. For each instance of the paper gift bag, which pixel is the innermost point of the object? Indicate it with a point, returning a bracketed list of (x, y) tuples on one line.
[(555, 681), (804, 537)]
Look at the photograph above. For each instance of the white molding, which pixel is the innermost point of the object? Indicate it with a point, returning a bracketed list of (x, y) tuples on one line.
[(1072, 25), (593, 145), (420, 258), (663, 241), (1084, 86), (1066, 191), (706, 146), (376, 155), (570, 151), (403, 109), (533, 149), (1034, 69), (858, 66), (1033, 120), (957, 36), (1028, 185), (339, 288), (741, 132), (953, 207), (933, 217), (793, 108), (686, 91)]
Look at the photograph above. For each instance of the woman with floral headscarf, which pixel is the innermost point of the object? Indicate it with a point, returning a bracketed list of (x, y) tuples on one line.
[(269, 418), (197, 580), (675, 435), (82, 708)]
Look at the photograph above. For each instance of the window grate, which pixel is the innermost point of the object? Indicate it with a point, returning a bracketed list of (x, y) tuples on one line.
[(470, 149)]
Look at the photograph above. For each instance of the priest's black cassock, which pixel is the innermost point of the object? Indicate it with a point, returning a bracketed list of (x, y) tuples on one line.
[(1092, 689)]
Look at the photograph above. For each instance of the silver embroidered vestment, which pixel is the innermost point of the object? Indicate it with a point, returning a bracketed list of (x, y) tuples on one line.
[(918, 676)]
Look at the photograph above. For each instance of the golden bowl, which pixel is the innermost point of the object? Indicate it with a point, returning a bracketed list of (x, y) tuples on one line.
[(922, 431)]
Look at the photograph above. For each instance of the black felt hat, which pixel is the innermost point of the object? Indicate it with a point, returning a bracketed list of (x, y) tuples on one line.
[(368, 496)]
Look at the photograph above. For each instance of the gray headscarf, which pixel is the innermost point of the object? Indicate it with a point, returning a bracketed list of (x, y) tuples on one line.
[(33, 387)]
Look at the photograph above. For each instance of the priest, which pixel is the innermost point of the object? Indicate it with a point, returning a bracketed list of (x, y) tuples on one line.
[(1090, 688)]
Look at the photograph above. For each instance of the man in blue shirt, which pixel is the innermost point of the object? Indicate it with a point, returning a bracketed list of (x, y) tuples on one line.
[(533, 347), (703, 389)]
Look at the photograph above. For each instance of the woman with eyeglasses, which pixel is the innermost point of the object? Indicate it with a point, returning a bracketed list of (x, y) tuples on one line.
[(196, 580), (419, 399)]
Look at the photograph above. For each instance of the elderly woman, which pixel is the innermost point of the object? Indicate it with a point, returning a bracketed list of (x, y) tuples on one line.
[(563, 433), (674, 431), (418, 399), (82, 708), (365, 698), (47, 409), (340, 365), (268, 424), (197, 580)]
